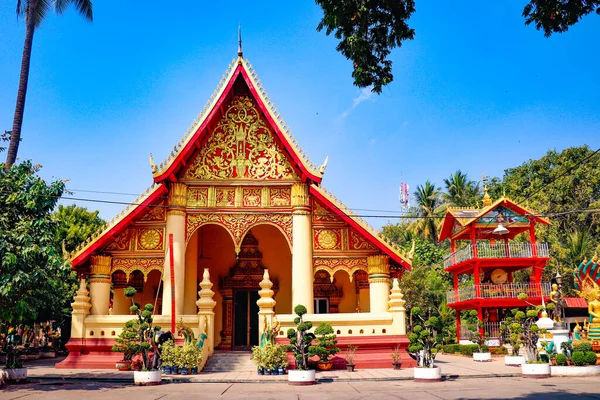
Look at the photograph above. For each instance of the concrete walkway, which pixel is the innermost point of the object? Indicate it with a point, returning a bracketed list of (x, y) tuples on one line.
[(453, 367)]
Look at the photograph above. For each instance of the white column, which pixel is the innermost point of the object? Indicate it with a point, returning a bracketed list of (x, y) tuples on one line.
[(100, 284), (177, 201), (302, 260), (379, 282)]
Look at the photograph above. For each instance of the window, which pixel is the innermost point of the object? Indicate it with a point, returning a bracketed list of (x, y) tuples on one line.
[(321, 305)]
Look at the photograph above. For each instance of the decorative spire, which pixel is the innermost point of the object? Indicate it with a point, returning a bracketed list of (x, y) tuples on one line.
[(240, 51), (487, 200)]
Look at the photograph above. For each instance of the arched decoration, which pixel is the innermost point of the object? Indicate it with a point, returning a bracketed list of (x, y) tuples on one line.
[(144, 265), (333, 265), (325, 286), (238, 225)]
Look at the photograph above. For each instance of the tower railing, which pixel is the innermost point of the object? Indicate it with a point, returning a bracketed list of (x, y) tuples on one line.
[(493, 291), (498, 250)]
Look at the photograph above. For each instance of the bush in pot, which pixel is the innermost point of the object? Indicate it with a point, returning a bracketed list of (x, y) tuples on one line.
[(128, 343), (350, 356), (188, 358), (167, 355), (561, 359), (300, 340), (326, 341), (396, 362), (259, 359), (424, 340)]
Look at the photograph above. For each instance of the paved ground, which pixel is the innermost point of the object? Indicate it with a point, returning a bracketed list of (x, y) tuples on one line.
[(488, 388)]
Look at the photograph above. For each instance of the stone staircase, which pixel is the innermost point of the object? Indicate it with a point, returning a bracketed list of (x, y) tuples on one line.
[(225, 361)]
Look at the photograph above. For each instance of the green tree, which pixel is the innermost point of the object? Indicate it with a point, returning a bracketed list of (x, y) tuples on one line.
[(38, 9), (556, 16), (428, 213), (75, 225), (461, 191), (31, 267)]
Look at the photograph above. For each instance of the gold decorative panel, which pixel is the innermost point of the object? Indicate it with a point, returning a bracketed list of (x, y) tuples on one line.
[(156, 213), (321, 214), (327, 239), (358, 242), (280, 197), (145, 265), (197, 197), (335, 264), (241, 147), (251, 197), (225, 197), (121, 242), (150, 239)]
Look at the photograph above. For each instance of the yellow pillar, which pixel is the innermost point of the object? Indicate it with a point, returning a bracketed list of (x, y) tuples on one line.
[(302, 263), (206, 310), (177, 201), (81, 309), (396, 306), (266, 303), (100, 284), (379, 282)]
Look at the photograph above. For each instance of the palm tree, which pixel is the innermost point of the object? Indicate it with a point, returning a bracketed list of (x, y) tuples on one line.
[(428, 201), (460, 191), (34, 12)]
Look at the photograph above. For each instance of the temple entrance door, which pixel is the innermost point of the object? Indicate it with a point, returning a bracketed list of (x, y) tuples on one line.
[(245, 317)]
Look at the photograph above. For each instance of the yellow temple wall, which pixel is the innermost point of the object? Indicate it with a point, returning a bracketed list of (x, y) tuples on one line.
[(191, 276), (348, 302), (365, 300)]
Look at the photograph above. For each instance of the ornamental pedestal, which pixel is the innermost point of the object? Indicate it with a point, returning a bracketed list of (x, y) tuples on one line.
[(206, 310), (100, 284), (177, 201), (81, 309), (302, 262), (396, 307), (266, 303), (379, 282)]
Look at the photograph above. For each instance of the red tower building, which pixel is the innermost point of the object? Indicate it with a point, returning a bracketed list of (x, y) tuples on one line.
[(488, 246)]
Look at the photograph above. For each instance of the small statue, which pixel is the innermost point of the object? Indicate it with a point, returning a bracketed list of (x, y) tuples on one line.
[(577, 331), (594, 309), (556, 298)]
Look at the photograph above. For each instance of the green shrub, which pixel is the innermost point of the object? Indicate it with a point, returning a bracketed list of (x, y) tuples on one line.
[(499, 350), (451, 348), (583, 347), (578, 358), (468, 349), (484, 348), (590, 358), (561, 359)]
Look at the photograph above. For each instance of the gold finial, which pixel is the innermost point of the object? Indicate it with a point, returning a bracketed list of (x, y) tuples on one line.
[(487, 200)]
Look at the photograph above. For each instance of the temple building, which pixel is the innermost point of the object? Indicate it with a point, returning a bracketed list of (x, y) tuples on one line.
[(485, 256), (239, 216)]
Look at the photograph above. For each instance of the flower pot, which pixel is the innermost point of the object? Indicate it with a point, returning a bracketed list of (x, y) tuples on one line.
[(145, 378), (281, 370), (194, 371), (260, 370), (267, 371), (301, 377), (123, 365), (514, 361), (167, 370), (324, 365), (427, 374), (15, 375), (184, 371), (482, 357), (47, 354), (397, 365), (175, 370), (535, 370), (349, 367)]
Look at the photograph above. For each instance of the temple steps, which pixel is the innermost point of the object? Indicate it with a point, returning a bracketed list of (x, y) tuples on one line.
[(223, 361)]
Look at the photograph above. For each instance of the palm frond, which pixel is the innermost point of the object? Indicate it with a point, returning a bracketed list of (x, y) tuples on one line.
[(83, 7)]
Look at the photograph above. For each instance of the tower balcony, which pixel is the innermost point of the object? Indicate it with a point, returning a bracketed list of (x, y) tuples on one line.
[(509, 253), (492, 295)]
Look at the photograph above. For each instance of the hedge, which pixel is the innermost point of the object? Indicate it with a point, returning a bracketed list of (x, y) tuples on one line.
[(590, 358), (578, 358), (583, 347)]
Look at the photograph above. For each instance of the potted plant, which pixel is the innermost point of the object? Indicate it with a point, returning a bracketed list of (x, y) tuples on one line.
[(146, 341), (476, 336), (300, 340), (280, 358), (512, 331), (189, 358), (177, 361), (13, 370), (167, 356), (128, 343), (325, 347), (259, 359), (424, 346), (396, 362), (350, 356)]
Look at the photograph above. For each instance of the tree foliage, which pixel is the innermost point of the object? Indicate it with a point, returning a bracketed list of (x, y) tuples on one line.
[(75, 225), (557, 16)]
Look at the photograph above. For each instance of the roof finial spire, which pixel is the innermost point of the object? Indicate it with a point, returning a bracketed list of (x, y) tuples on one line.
[(240, 52)]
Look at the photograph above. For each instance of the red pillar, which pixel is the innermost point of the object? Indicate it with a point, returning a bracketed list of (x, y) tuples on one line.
[(532, 239), (480, 317), (457, 326)]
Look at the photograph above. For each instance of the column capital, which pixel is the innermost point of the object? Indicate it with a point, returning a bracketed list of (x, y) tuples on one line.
[(378, 267), (177, 198), (300, 196), (100, 267)]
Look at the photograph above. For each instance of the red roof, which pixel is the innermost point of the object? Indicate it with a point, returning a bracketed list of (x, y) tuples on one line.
[(576, 302)]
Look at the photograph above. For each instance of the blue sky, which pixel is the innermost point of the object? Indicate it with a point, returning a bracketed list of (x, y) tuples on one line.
[(476, 90)]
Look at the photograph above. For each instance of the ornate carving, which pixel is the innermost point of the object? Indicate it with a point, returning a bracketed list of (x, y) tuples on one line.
[(280, 197), (239, 224), (241, 147), (358, 242), (251, 197), (321, 214), (327, 239), (333, 265), (150, 239), (197, 197), (177, 195), (156, 213), (300, 196), (225, 197), (121, 242), (100, 265), (324, 286), (144, 265)]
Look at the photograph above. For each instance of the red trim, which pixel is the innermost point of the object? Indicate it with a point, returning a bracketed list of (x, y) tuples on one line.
[(172, 269), (373, 239), (104, 240), (202, 131)]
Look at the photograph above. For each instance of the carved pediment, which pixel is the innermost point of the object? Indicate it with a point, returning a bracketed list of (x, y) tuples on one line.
[(241, 146)]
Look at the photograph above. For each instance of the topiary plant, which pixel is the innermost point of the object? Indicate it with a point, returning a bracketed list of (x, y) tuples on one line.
[(578, 358), (300, 338), (590, 358), (424, 339), (128, 341), (145, 330), (326, 343), (475, 334), (583, 347), (561, 359)]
